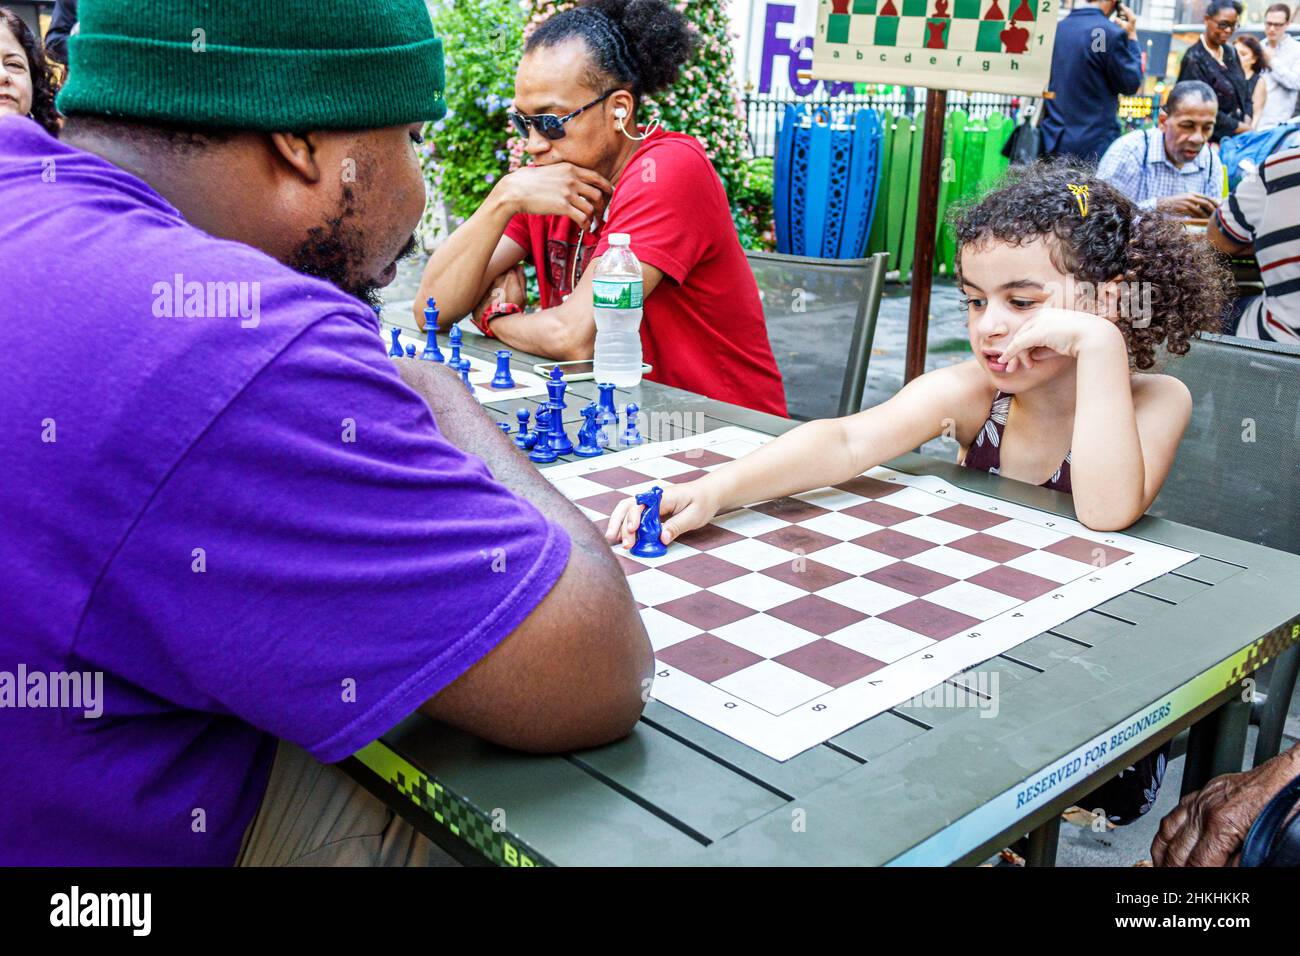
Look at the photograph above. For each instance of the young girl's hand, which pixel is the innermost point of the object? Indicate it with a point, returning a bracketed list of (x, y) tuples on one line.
[(1048, 331), (691, 506)]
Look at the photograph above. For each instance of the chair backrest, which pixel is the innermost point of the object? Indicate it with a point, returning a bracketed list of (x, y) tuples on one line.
[(1238, 468), (821, 320)]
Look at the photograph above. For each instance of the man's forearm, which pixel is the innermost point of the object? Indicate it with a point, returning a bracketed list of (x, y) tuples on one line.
[(456, 274), (467, 426), (559, 333)]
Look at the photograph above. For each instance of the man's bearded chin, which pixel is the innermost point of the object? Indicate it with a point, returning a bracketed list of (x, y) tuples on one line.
[(333, 252)]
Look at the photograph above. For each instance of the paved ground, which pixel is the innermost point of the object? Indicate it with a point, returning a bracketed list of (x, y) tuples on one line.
[(1079, 845)]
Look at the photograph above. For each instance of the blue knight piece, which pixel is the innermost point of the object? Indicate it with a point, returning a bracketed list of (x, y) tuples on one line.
[(431, 351), (523, 437), (454, 337), (631, 435), (502, 378), (587, 447), (395, 350), (542, 451), (650, 527), (607, 417)]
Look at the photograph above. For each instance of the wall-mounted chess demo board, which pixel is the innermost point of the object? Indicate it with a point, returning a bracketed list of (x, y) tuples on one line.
[(996, 46), (785, 623)]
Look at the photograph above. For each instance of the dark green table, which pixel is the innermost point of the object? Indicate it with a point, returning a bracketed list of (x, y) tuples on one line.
[(931, 785)]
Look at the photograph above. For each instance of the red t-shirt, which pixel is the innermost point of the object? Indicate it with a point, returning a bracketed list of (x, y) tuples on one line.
[(703, 327)]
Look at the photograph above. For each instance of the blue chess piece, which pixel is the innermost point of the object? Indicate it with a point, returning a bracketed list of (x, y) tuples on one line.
[(587, 447), (556, 387), (608, 415), (502, 378), (648, 543), (464, 375), (524, 438), (395, 350), (631, 435), (454, 337), (542, 451), (560, 442), (505, 427), (431, 351), (410, 350)]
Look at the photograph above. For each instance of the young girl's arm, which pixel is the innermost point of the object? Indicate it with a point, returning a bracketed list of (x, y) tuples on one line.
[(1125, 434), (821, 453)]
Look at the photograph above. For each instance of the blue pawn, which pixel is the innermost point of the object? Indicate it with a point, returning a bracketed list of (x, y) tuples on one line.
[(502, 378), (631, 436), (587, 447), (524, 438), (464, 375), (395, 350), (454, 337), (505, 427), (608, 415), (648, 544), (410, 350), (431, 351), (542, 451)]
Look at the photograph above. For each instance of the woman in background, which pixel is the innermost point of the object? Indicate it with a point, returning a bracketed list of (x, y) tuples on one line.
[(27, 84), (1253, 64), (1212, 59)]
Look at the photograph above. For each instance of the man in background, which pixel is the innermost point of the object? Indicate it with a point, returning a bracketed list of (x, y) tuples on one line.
[(1094, 61), (1282, 57), (1171, 165), (61, 25), (1260, 218)]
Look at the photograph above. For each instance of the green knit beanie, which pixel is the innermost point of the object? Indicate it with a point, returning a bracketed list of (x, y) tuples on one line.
[(257, 64)]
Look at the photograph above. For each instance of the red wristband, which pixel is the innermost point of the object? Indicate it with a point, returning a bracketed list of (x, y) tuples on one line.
[(495, 312)]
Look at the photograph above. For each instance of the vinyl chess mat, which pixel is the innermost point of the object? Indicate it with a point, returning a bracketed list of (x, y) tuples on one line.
[(786, 622)]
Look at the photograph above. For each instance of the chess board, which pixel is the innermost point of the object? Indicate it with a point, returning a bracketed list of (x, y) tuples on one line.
[(784, 623), (996, 45), (527, 384)]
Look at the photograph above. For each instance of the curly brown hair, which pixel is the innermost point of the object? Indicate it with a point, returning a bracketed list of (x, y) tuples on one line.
[(45, 86), (1147, 250)]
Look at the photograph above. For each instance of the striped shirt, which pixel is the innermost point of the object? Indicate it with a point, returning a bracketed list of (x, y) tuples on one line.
[(1264, 210), (1136, 164)]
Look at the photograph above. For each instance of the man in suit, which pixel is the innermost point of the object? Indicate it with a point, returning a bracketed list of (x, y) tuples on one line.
[(1094, 60)]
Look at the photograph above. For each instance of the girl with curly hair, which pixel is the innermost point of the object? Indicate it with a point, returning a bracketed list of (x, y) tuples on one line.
[(27, 83), (1070, 289)]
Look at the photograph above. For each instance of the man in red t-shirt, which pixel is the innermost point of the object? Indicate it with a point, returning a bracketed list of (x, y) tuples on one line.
[(576, 94)]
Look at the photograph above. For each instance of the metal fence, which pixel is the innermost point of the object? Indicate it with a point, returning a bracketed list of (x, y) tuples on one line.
[(762, 113)]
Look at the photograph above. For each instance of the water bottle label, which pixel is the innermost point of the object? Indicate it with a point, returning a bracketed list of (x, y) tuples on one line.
[(616, 293)]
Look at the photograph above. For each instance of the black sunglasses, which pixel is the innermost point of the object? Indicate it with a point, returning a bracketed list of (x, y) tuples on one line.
[(549, 125)]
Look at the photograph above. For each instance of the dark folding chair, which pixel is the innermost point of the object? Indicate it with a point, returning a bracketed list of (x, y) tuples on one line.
[(821, 320), (1236, 473)]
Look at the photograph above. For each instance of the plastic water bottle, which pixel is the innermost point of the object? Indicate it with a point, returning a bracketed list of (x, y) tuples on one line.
[(616, 297)]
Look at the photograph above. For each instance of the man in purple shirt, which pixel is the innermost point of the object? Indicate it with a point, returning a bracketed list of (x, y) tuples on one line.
[(229, 519)]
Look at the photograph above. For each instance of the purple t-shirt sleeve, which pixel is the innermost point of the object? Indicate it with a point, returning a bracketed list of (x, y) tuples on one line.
[(321, 560)]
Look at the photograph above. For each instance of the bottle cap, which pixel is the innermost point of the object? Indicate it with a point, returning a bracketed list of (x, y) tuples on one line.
[(619, 239)]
